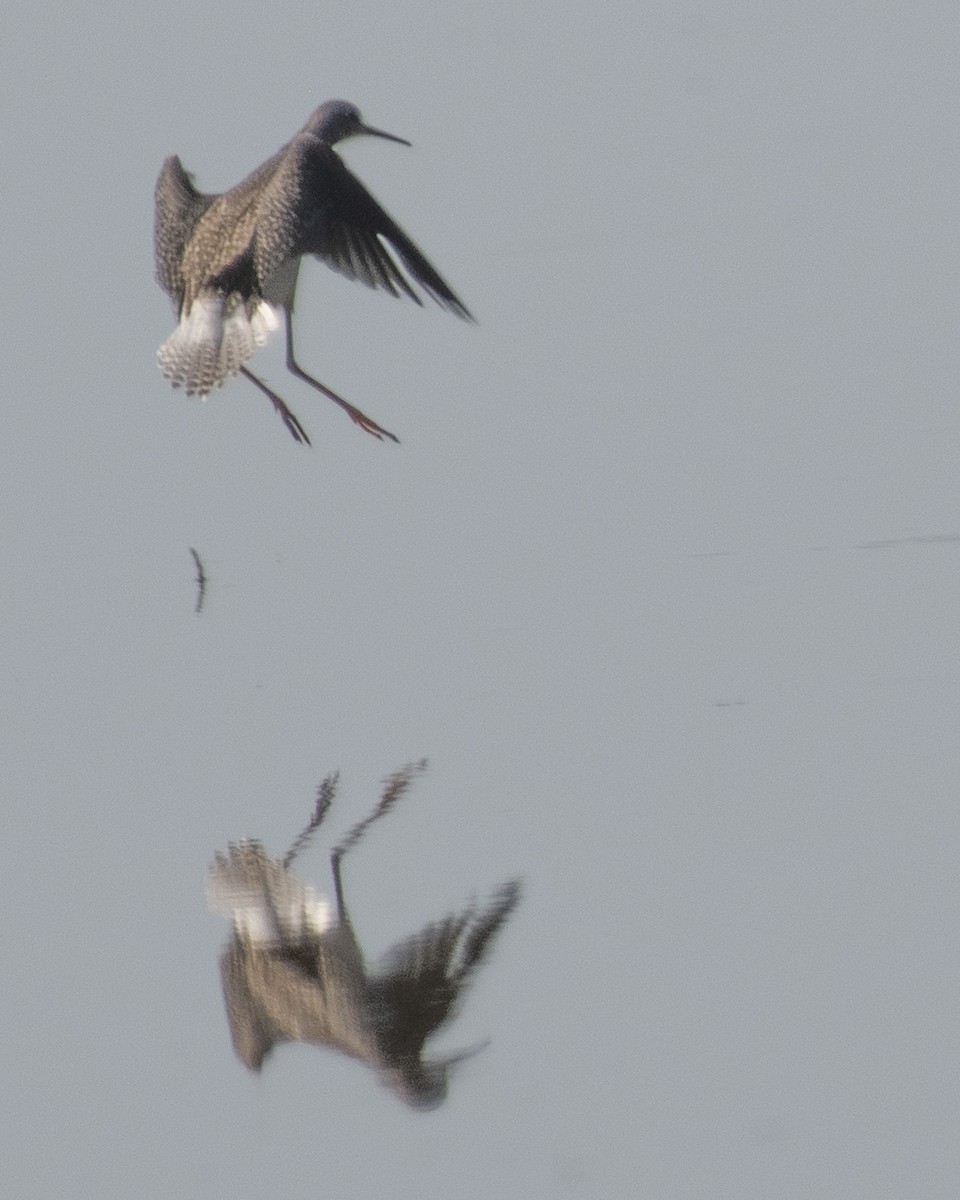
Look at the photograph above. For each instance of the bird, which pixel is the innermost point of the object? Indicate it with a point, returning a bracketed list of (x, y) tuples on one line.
[(294, 969), (229, 262)]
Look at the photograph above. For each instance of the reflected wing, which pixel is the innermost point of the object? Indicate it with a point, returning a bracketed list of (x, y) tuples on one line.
[(293, 994), (288, 974), (252, 1032), (424, 976), (314, 205)]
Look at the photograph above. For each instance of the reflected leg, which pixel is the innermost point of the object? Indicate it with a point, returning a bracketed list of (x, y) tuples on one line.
[(394, 787), (325, 794)]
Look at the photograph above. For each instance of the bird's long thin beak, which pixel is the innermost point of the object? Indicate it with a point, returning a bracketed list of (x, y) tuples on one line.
[(391, 137)]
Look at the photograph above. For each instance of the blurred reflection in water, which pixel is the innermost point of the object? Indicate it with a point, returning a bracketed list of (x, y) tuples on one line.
[(294, 970)]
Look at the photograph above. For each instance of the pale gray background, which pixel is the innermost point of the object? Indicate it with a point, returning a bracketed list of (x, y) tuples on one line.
[(664, 578)]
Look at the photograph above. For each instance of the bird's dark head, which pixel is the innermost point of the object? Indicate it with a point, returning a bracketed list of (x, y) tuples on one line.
[(338, 119)]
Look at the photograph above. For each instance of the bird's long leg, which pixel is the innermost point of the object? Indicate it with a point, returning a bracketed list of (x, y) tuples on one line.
[(289, 419), (394, 787), (353, 413)]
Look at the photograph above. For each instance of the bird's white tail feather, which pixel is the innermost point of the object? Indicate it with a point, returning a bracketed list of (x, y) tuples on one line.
[(263, 322), (213, 341)]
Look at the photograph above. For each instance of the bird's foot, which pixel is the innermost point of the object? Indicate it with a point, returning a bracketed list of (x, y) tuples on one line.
[(368, 425)]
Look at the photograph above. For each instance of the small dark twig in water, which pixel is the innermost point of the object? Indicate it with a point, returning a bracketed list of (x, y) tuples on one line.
[(201, 582)]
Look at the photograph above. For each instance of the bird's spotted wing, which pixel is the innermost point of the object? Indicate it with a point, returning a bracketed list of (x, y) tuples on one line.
[(314, 205), (178, 208)]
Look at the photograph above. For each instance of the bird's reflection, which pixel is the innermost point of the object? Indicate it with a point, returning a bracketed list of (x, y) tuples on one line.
[(294, 970)]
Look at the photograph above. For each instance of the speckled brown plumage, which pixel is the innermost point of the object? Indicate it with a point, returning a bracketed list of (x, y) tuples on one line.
[(229, 262), (295, 971)]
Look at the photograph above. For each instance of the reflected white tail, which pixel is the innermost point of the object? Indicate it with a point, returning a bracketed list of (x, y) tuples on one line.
[(267, 903)]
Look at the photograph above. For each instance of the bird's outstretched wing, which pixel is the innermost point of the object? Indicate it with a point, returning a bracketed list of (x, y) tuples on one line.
[(252, 1031), (424, 976), (282, 995), (178, 208), (314, 205)]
